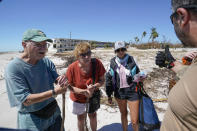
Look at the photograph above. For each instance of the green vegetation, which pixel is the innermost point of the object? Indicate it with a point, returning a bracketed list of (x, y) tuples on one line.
[(152, 36), (155, 45)]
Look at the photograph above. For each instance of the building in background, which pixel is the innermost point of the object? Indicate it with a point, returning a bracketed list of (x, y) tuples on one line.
[(63, 44)]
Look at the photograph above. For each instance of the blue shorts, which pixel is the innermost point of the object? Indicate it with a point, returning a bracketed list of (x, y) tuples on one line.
[(126, 94), (34, 123)]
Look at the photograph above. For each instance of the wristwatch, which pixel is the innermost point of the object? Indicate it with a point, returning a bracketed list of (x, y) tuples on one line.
[(54, 95)]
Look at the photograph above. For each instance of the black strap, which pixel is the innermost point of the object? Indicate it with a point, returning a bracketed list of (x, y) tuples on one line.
[(141, 93), (93, 60), (47, 111), (142, 111)]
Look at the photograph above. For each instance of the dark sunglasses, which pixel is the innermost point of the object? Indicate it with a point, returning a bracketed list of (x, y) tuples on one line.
[(173, 16), (187, 7), (86, 54), (120, 49)]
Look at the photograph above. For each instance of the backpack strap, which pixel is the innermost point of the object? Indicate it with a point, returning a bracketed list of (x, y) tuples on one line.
[(93, 61)]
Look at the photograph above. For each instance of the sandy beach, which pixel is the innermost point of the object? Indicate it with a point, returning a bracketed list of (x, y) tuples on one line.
[(108, 118)]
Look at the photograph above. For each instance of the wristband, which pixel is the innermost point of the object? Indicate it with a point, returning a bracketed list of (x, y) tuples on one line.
[(54, 95)]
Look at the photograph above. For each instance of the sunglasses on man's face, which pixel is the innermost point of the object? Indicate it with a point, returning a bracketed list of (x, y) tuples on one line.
[(121, 49), (187, 7), (172, 16), (86, 54)]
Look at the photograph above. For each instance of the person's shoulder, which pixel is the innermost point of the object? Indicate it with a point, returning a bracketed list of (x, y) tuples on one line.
[(46, 60), (113, 63), (96, 60), (130, 59), (74, 64), (112, 59), (14, 65)]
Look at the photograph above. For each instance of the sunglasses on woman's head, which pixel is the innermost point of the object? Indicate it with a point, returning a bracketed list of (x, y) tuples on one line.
[(120, 49), (86, 54)]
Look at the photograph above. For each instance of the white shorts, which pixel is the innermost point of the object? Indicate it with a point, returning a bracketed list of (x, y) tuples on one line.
[(76, 108)]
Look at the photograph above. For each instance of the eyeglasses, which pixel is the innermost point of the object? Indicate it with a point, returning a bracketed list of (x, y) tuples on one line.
[(39, 45), (172, 16), (187, 7), (86, 54), (120, 49)]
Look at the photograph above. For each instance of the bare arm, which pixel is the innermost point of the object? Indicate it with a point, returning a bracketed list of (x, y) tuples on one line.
[(39, 97), (178, 66), (76, 90), (100, 82), (90, 88)]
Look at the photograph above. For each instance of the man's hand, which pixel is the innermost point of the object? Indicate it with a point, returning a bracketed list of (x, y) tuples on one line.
[(188, 57), (62, 81), (63, 84), (191, 55)]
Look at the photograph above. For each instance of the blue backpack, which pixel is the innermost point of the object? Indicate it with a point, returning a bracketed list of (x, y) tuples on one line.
[(148, 118)]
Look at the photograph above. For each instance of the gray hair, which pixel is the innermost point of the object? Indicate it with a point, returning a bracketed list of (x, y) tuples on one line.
[(177, 3)]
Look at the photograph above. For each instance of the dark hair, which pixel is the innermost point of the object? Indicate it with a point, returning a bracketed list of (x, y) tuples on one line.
[(178, 3)]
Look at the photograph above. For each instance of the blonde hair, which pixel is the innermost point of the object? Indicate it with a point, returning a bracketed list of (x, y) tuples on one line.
[(80, 48)]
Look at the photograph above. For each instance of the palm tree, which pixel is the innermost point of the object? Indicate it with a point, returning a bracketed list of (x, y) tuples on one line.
[(136, 39), (143, 35), (154, 34)]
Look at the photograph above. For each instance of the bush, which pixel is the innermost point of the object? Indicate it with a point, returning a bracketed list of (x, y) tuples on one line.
[(155, 45)]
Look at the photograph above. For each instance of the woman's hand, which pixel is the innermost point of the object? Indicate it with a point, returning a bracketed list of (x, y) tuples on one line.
[(140, 77), (87, 93), (90, 89)]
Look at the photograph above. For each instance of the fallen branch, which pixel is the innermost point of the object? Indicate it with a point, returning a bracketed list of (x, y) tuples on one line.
[(160, 100)]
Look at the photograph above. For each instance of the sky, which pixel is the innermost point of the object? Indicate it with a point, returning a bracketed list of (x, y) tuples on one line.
[(100, 20)]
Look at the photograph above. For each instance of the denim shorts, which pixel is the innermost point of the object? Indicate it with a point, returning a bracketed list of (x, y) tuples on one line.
[(126, 94), (34, 123)]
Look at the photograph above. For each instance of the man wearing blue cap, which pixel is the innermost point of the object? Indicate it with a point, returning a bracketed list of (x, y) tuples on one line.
[(29, 83)]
